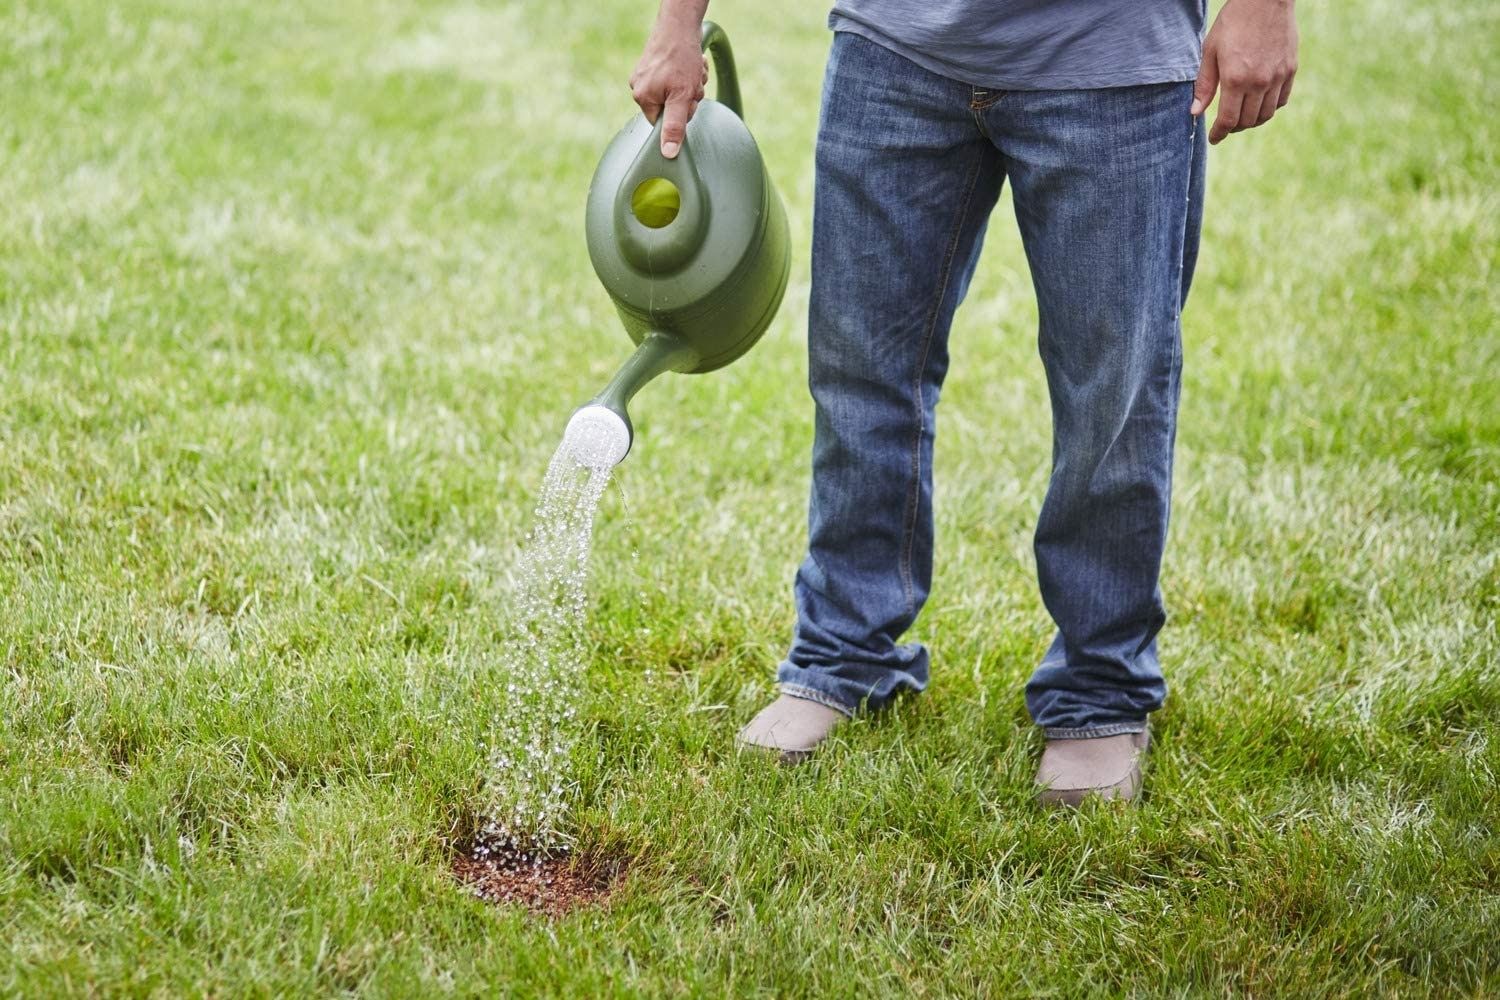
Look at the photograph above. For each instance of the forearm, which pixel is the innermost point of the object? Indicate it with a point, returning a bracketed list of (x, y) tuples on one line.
[(1281, 5), (681, 13)]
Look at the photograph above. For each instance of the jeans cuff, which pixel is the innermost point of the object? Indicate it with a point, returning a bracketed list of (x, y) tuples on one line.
[(1093, 732), (814, 695)]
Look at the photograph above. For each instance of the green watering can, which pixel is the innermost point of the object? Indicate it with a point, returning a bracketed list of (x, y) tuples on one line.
[(693, 251)]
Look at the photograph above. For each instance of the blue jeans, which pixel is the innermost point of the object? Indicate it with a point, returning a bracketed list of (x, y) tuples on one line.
[(1108, 190)]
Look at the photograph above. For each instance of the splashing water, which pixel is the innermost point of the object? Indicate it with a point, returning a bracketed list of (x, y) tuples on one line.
[(524, 796)]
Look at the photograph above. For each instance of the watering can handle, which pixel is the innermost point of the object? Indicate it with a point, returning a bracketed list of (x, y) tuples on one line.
[(726, 82)]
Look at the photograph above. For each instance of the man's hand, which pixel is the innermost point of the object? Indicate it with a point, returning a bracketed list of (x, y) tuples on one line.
[(1250, 57), (672, 71)]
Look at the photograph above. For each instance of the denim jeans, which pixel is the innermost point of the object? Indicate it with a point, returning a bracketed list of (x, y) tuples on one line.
[(1108, 192)]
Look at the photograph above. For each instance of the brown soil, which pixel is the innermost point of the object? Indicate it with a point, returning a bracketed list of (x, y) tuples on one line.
[(547, 886)]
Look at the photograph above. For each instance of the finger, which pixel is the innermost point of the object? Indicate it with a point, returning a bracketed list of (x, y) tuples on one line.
[(649, 108), (1268, 106), (705, 68), (1250, 110), (1206, 84), (672, 133), (1286, 90), (1228, 119)]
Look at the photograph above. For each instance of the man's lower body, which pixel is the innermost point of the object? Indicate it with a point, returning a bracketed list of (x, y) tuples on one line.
[(1108, 190)]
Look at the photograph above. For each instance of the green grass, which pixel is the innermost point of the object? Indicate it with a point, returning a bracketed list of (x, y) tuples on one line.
[(295, 302)]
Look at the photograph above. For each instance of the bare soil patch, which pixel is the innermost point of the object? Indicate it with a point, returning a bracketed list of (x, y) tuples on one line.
[(546, 885)]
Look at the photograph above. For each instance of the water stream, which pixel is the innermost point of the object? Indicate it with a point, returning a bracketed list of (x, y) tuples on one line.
[(528, 780)]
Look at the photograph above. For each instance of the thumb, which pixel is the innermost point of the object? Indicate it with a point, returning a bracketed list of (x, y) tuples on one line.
[(1207, 82), (675, 129)]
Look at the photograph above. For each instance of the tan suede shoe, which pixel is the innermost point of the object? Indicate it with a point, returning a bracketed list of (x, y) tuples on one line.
[(791, 726), (1108, 766)]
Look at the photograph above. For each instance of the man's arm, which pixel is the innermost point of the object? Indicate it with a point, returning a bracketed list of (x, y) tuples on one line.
[(672, 71), (1250, 57)]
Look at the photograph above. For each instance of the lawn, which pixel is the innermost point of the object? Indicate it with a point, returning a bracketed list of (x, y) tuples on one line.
[(294, 304)]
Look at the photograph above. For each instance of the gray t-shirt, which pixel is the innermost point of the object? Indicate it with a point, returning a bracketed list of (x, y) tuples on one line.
[(1036, 44)]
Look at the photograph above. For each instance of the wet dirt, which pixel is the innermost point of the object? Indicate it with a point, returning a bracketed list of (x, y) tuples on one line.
[(546, 886)]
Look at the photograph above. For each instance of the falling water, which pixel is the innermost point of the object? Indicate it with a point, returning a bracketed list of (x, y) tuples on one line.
[(527, 783)]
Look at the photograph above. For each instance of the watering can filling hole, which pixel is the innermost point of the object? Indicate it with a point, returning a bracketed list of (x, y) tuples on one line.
[(655, 202)]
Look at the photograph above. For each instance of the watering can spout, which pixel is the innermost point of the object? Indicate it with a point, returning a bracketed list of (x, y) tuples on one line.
[(600, 433)]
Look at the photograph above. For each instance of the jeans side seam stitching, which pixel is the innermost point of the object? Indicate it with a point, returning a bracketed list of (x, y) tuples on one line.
[(1177, 360), (914, 497)]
